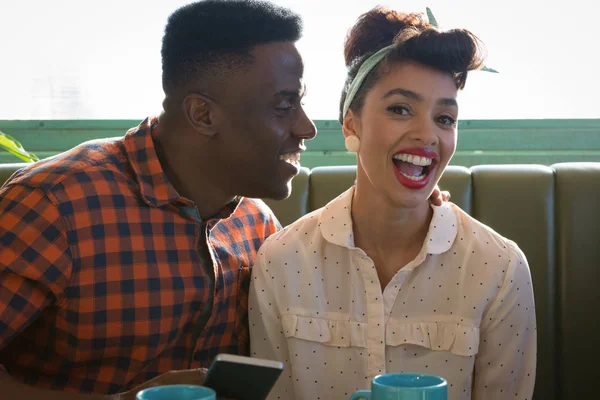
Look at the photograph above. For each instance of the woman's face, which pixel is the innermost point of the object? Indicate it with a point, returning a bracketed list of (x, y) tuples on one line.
[(407, 131)]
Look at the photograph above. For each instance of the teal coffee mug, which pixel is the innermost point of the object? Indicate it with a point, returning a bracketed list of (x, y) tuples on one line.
[(405, 387), (177, 392)]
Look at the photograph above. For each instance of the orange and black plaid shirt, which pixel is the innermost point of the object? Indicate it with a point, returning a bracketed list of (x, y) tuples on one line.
[(101, 282)]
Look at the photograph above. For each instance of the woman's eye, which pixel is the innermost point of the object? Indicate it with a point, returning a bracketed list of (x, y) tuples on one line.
[(447, 120), (401, 110)]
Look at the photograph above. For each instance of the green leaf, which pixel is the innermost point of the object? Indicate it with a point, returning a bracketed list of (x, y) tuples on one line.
[(12, 146), (487, 69), (432, 20)]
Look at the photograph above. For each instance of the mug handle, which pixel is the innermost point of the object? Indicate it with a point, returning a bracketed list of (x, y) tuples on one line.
[(361, 394)]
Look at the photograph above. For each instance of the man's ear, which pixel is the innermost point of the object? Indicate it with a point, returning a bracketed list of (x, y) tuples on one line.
[(351, 125), (200, 112)]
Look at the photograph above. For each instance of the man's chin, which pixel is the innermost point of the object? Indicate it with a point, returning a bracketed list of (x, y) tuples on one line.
[(280, 192), (279, 197), (273, 192)]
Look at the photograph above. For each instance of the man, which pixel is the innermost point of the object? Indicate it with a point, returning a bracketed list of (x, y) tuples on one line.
[(122, 260)]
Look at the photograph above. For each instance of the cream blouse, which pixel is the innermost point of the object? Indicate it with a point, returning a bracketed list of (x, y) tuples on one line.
[(463, 309)]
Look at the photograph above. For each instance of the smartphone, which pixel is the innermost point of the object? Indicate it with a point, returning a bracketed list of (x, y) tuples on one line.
[(242, 378)]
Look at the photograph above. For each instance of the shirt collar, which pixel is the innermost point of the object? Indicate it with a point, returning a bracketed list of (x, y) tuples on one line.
[(335, 223), (336, 220), (155, 188)]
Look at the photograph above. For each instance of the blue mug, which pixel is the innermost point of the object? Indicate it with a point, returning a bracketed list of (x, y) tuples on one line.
[(178, 392), (405, 387)]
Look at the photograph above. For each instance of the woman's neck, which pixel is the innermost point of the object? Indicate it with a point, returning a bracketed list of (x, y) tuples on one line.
[(392, 236), (387, 226)]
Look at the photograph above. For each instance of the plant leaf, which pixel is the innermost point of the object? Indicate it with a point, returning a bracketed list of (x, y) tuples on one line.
[(432, 20), (9, 144), (487, 69)]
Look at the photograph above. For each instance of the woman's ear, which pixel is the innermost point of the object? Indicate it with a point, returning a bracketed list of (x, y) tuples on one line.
[(350, 125), (350, 129)]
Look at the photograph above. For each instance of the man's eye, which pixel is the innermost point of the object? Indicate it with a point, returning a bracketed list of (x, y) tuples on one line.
[(285, 109)]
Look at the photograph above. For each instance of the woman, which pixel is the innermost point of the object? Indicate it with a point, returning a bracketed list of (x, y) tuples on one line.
[(379, 280)]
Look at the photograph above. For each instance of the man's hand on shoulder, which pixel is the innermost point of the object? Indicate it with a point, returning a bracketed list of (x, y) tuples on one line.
[(438, 197)]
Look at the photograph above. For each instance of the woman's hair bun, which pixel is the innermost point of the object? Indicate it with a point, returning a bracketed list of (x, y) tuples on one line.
[(377, 29)]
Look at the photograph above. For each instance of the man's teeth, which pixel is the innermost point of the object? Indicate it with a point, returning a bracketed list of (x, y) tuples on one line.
[(290, 157), (422, 161)]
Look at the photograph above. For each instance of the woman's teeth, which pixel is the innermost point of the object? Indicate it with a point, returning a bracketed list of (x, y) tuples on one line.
[(414, 178), (416, 160)]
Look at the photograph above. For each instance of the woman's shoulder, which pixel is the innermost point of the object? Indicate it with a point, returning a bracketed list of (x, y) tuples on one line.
[(483, 238), (304, 230), (332, 220)]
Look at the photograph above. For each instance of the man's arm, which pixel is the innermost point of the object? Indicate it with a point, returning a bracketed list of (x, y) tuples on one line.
[(34, 268), (16, 390), (35, 261)]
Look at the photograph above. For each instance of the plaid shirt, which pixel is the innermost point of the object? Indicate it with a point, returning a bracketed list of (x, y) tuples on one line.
[(101, 283)]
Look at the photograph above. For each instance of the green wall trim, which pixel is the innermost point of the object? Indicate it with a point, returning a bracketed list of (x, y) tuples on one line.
[(543, 141)]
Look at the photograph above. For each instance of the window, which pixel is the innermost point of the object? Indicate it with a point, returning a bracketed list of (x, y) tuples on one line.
[(71, 59)]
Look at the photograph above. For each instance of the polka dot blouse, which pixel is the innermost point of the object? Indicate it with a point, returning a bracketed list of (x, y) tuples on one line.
[(463, 309)]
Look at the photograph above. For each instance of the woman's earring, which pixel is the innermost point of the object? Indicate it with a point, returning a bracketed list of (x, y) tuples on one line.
[(352, 143)]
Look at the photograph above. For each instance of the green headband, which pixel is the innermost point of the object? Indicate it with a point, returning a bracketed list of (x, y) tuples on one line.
[(372, 62), (363, 71)]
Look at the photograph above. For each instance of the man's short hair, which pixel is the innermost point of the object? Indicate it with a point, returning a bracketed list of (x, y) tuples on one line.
[(211, 38)]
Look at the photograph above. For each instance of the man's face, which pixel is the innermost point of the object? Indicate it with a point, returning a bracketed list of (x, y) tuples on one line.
[(263, 125)]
